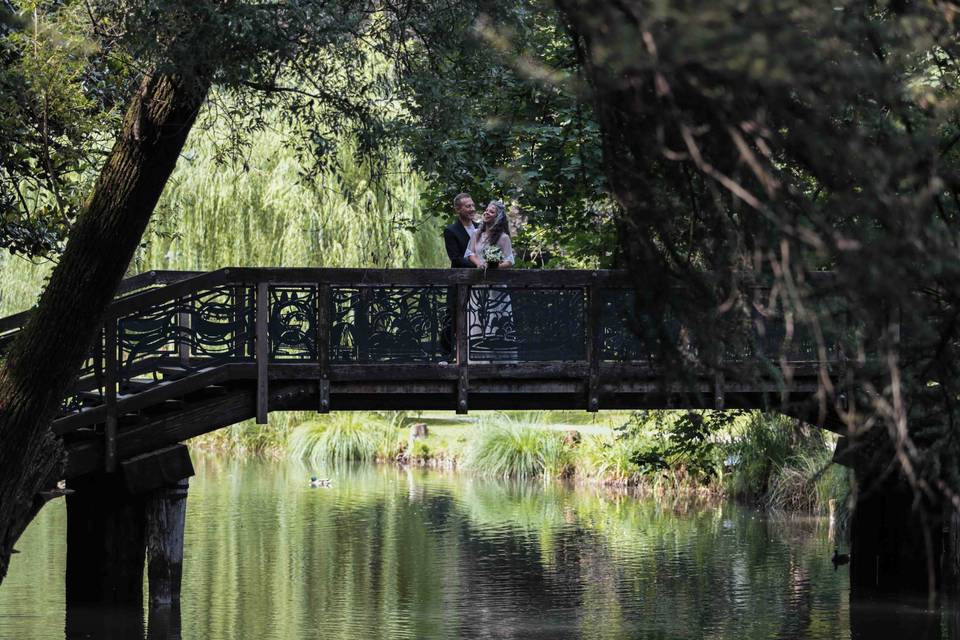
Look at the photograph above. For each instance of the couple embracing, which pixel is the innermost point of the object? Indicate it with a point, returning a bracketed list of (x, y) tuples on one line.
[(486, 246), (490, 326)]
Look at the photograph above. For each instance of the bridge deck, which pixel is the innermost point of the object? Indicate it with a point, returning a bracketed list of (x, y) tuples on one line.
[(181, 354)]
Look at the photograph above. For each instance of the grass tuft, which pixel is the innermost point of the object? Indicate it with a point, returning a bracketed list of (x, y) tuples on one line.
[(518, 447), (343, 437)]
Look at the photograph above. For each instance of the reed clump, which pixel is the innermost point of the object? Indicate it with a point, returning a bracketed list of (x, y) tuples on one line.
[(345, 437), (783, 464), (518, 447)]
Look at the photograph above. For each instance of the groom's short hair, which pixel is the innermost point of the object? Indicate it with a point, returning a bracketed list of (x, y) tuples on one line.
[(458, 199)]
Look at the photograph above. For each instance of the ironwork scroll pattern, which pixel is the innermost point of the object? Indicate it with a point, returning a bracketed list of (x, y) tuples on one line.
[(196, 330), (389, 324), (767, 334), (528, 325), (627, 336), (89, 379), (783, 336), (292, 323)]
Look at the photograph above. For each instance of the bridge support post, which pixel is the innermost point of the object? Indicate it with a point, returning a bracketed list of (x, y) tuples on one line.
[(105, 542), (115, 519), (166, 515), (896, 541)]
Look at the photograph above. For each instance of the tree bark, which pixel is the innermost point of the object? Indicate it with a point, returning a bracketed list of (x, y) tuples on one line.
[(48, 353)]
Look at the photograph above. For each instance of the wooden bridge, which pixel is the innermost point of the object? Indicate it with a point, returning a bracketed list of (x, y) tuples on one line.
[(184, 353)]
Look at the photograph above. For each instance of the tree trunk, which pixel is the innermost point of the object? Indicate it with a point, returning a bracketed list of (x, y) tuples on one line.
[(46, 356)]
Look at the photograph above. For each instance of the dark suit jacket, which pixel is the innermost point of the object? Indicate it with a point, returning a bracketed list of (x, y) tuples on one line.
[(456, 239)]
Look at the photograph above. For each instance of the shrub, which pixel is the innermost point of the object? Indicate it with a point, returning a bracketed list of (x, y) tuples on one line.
[(784, 465)]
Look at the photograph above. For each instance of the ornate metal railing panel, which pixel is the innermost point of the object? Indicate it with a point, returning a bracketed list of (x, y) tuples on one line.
[(196, 330), (390, 324), (628, 336), (293, 323), (513, 324), (90, 379)]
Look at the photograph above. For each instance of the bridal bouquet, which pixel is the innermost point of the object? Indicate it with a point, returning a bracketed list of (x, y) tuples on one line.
[(493, 255)]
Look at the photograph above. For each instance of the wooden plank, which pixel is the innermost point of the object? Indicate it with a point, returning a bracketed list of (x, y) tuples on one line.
[(594, 337), (418, 277), (546, 369), (183, 338), (240, 339), (409, 388), (324, 319), (361, 323), (160, 431), (149, 471), (718, 390), (263, 352), (111, 379), (14, 321), (160, 393), (550, 278), (413, 371), (463, 348), (151, 297), (239, 403), (166, 515)]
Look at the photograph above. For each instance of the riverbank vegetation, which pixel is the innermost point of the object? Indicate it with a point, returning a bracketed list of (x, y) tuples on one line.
[(768, 460)]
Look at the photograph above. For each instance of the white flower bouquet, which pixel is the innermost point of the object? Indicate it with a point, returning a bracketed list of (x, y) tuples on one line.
[(493, 255)]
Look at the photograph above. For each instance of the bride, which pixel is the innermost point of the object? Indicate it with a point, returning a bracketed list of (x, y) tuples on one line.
[(491, 329)]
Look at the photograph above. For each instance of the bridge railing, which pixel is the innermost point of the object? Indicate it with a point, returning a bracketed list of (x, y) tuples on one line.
[(332, 318)]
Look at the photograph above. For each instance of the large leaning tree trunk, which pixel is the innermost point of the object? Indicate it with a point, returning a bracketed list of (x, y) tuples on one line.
[(46, 357)]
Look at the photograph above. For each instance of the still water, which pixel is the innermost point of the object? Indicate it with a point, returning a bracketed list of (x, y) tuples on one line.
[(393, 553)]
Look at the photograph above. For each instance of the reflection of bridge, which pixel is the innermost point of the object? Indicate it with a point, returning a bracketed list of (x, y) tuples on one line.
[(184, 353)]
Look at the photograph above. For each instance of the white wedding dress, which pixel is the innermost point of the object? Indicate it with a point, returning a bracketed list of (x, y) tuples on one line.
[(490, 328)]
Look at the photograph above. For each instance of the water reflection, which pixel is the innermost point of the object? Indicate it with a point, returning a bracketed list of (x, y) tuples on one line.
[(391, 553), (164, 623), (103, 623)]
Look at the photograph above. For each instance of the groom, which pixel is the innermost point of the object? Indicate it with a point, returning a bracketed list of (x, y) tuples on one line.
[(457, 236)]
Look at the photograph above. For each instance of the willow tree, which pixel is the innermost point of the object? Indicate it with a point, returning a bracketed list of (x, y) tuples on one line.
[(155, 63)]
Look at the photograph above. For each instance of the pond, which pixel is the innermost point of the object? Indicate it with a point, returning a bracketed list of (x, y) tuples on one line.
[(395, 553)]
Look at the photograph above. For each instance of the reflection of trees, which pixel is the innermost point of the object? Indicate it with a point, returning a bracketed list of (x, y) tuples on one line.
[(648, 570), (388, 554)]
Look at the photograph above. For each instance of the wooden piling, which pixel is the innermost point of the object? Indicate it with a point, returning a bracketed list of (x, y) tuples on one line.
[(166, 514), (105, 542)]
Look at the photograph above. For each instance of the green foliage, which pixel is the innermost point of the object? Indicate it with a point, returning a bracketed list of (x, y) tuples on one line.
[(343, 437), (58, 112), (511, 448), (506, 451), (807, 482), (523, 137), (657, 441), (615, 460), (248, 439), (765, 142), (782, 465), (70, 67), (420, 451)]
